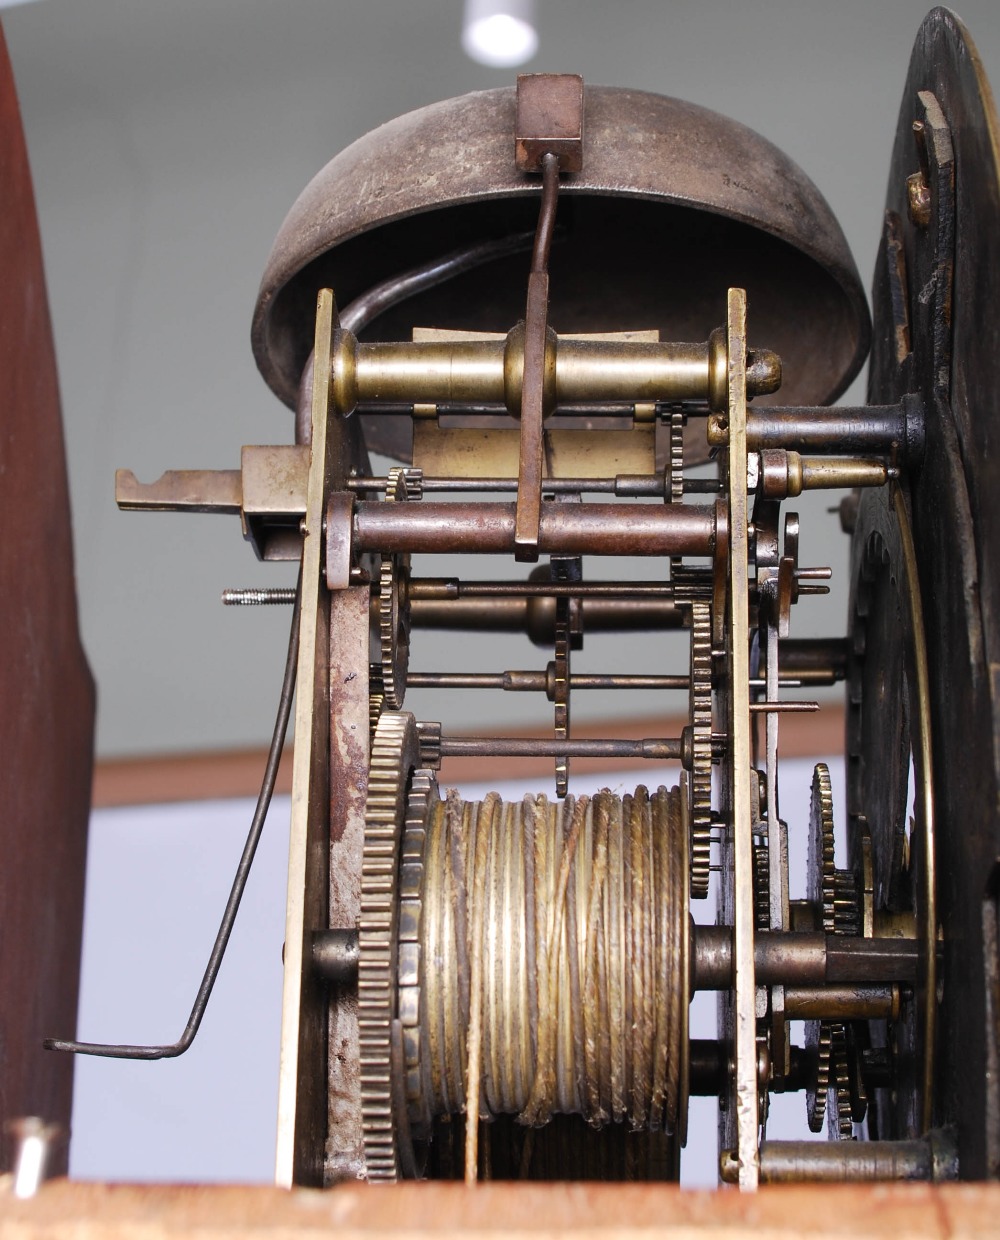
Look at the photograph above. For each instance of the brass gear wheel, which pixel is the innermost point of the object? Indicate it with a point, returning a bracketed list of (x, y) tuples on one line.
[(833, 893), (561, 674), (423, 794), (818, 1040), (559, 668), (376, 698), (394, 606), (395, 752), (676, 492), (699, 777), (822, 873), (839, 1119), (761, 888)]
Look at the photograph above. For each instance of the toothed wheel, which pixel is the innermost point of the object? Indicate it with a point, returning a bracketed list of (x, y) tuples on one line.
[(559, 668), (561, 675), (422, 797), (761, 888), (677, 421), (834, 894), (818, 1041), (839, 1121), (699, 778), (376, 697), (395, 753), (394, 606), (822, 872), (847, 917)]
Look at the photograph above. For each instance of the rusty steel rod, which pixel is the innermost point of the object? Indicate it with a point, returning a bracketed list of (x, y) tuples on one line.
[(624, 409), (847, 429), (708, 1068), (807, 959), (564, 529), (439, 588), (538, 682), (536, 616), (814, 660), (843, 1001), (484, 485), (666, 749), (650, 486), (783, 708), (933, 1158), (624, 485)]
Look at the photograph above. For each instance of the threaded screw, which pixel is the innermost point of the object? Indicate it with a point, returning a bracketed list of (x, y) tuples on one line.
[(258, 596)]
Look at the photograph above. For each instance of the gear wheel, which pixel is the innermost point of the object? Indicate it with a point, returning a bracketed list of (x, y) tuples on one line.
[(559, 669), (846, 905), (676, 480), (699, 777), (834, 894), (395, 752), (394, 605), (376, 698), (423, 795), (818, 1040), (761, 888), (561, 674), (839, 1120), (822, 888)]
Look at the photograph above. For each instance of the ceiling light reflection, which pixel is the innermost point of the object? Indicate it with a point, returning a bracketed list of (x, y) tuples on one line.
[(500, 33)]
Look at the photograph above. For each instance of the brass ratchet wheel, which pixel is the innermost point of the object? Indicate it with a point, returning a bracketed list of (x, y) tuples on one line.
[(529, 956)]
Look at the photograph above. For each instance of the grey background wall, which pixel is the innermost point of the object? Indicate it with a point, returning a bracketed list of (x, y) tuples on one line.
[(167, 142)]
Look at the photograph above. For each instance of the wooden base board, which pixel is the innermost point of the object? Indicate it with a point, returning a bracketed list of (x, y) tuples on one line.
[(82, 1211)]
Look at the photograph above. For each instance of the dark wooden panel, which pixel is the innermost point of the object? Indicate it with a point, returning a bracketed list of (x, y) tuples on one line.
[(46, 690)]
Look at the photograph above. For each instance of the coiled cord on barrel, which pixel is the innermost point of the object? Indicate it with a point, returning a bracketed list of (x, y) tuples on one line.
[(554, 959)]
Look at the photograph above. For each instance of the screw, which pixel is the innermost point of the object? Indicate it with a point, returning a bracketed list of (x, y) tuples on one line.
[(254, 596), (729, 1167), (33, 1139)]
